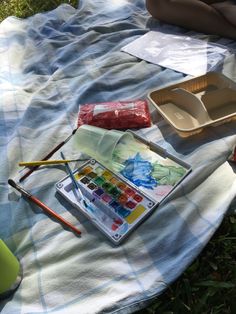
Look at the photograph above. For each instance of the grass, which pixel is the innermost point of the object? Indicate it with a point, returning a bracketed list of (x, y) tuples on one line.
[(25, 8), (208, 286)]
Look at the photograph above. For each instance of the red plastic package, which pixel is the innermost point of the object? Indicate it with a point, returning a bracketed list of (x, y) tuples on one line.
[(116, 115)]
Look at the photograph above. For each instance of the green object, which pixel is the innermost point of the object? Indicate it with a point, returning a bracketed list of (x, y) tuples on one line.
[(99, 143), (9, 271)]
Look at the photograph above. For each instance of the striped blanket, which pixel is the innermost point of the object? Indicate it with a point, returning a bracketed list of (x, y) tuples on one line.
[(51, 64)]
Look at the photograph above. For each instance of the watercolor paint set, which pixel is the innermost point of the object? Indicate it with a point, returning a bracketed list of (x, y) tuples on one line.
[(120, 195)]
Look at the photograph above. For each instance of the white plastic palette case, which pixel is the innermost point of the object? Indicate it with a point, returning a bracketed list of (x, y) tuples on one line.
[(192, 105)]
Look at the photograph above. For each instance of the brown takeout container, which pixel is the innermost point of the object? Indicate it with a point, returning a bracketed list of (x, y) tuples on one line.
[(192, 105)]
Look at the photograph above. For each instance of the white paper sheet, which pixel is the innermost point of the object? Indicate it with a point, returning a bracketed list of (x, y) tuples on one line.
[(178, 52)]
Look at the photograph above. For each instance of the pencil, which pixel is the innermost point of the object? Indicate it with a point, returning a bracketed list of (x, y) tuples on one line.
[(44, 207), (31, 170), (48, 162)]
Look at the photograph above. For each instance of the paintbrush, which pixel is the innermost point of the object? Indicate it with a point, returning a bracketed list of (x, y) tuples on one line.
[(73, 179), (47, 156), (44, 207), (47, 162)]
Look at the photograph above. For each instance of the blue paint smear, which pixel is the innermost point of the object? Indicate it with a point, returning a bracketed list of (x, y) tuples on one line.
[(138, 171)]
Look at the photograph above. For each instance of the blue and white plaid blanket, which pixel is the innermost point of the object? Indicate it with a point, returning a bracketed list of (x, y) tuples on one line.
[(50, 64)]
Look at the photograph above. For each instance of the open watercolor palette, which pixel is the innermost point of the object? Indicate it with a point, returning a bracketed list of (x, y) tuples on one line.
[(118, 201), (192, 105)]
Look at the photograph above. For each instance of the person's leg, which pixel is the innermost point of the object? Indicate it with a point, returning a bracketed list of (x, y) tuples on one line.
[(227, 9), (192, 14)]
